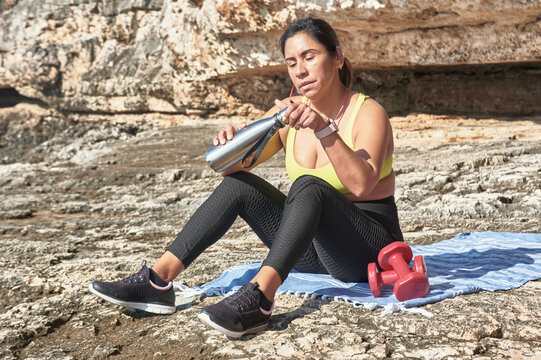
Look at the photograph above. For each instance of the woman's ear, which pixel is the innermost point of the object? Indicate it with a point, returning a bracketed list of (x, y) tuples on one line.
[(340, 57)]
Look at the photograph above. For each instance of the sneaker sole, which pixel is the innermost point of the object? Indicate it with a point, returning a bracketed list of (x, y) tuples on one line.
[(151, 308), (234, 334)]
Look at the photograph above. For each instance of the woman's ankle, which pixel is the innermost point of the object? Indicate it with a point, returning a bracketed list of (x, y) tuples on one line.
[(168, 267), (264, 301), (269, 281), (157, 279)]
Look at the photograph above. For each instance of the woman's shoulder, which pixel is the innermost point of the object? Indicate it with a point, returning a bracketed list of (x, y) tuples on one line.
[(371, 109)]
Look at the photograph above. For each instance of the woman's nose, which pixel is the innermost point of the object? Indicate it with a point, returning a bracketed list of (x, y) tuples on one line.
[(300, 71)]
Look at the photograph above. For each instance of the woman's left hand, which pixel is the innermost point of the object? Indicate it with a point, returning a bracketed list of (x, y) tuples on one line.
[(302, 116)]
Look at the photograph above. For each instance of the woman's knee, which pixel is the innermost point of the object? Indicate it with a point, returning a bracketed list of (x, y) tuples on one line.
[(308, 185), (231, 188), (238, 181), (247, 186)]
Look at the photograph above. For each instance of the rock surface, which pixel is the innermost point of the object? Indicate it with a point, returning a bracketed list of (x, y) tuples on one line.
[(89, 197), (222, 57), (105, 110)]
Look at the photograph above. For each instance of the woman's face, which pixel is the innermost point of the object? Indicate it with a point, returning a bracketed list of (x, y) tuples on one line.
[(309, 65)]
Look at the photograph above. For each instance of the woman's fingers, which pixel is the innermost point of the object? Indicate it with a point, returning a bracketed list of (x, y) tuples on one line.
[(290, 108), (306, 119), (309, 119), (301, 115), (216, 141), (226, 135), (230, 132), (295, 114), (221, 137), (281, 105), (316, 122), (305, 116)]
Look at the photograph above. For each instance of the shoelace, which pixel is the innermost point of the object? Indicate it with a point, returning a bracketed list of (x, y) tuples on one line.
[(241, 299), (138, 276)]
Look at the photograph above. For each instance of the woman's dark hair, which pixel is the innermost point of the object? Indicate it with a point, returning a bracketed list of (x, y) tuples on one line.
[(322, 32)]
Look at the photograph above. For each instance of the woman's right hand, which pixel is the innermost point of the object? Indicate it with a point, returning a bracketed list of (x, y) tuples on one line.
[(227, 134)]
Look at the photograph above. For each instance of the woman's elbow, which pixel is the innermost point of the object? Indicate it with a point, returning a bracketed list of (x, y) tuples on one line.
[(361, 190)]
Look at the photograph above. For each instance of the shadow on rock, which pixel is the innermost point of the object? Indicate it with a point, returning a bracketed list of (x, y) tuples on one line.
[(282, 321)]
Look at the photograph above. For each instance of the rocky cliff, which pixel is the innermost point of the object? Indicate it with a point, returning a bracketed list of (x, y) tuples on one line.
[(221, 56)]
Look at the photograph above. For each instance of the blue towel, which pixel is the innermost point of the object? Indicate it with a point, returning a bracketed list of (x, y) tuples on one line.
[(467, 263)]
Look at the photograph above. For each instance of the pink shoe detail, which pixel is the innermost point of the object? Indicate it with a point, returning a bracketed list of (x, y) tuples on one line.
[(161, 287), (267, 312)]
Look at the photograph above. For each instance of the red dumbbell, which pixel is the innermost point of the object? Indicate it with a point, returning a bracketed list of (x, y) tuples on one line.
[(394, 260)]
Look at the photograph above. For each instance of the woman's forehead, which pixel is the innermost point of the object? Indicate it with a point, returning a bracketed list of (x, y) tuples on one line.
[(300, 43)]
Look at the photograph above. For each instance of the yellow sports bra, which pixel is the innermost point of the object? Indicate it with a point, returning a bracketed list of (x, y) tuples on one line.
[(327, 172)]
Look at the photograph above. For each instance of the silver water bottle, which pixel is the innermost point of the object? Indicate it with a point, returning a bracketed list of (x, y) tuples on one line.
[(223, 156)]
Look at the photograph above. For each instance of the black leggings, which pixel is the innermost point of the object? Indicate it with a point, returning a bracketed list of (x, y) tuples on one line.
[(313, 229)]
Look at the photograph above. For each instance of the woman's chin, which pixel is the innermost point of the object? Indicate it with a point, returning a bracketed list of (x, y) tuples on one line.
[(309, 93)]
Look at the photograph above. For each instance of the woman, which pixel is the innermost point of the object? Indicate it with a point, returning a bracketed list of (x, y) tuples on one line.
[(338, 214)]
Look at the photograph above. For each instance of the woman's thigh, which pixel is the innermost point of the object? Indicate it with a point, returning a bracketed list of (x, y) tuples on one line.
[(346, 240), (263, 210)]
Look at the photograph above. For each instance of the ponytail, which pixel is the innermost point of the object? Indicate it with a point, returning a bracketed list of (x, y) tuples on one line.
[(345, 73)]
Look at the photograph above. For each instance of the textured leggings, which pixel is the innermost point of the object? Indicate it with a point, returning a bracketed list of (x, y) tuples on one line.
[(313, 229)]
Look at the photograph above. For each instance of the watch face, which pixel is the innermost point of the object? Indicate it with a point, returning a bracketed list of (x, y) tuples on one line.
[(332, 125)]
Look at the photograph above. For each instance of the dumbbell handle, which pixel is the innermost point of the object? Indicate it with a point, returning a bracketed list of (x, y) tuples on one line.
[(388, 277), (399, 265)]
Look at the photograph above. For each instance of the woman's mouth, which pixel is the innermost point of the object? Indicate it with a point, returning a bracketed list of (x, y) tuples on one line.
[(306, 84)]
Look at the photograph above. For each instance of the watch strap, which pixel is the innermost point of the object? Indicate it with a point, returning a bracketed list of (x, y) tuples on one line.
[(326, 131)]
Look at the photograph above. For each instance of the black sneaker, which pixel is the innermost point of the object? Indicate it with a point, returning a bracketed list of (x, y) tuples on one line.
[(238, 314), (137, 291)]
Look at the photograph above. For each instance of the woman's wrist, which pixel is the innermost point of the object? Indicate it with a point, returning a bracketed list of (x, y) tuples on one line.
[(326, 130)]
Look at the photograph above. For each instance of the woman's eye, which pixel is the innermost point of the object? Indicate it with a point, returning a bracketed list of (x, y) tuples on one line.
[(309, 58), (291, 65)]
